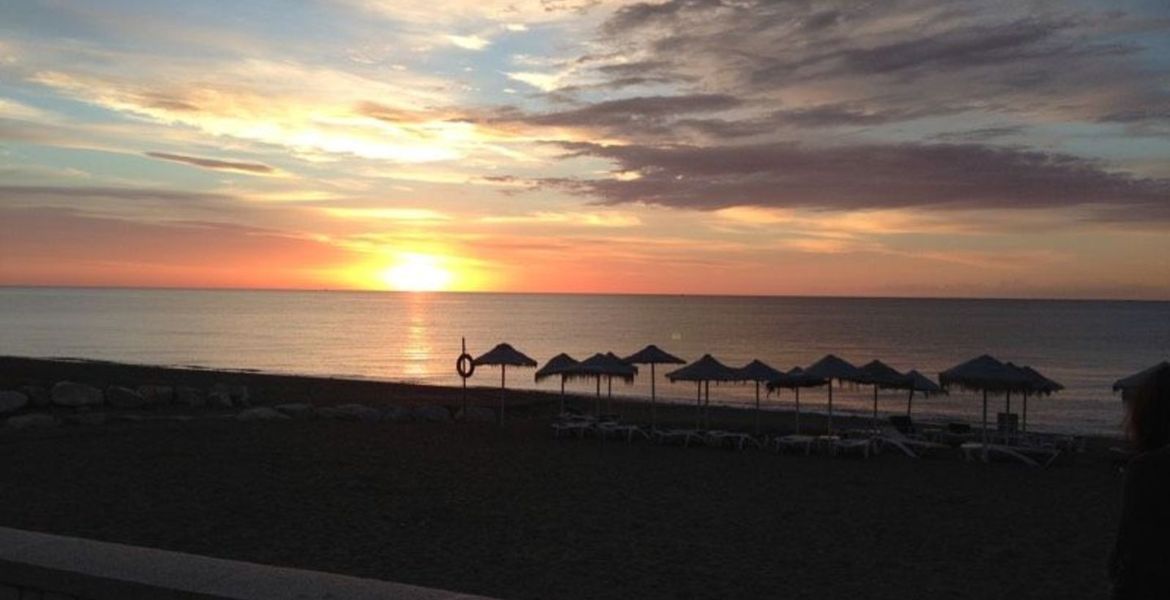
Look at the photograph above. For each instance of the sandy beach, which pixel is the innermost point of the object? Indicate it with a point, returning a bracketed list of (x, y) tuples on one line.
[(513, 513)]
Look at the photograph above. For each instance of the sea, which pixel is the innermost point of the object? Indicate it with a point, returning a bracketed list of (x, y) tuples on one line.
[(417, 337)]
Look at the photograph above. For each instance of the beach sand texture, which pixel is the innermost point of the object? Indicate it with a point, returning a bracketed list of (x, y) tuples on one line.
[(511, 512)]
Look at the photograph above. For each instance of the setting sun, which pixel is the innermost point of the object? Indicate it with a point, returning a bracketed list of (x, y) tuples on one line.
[(417, 273)]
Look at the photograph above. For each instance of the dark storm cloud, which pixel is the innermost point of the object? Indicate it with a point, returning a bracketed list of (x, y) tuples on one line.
[(215, 164), (627, 111), (790, 175)]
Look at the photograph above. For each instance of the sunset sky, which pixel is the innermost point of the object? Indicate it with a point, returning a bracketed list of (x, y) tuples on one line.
[(895, 148)]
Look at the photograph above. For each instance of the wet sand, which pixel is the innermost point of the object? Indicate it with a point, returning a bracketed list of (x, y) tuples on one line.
[(511, 512)]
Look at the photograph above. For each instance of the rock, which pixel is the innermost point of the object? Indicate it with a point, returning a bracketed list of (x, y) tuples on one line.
[(123, 397), (67, 393), (350, 412), (35, 420), (261, 413), (155, 395), (87, 418), (431, 413), (12, 401), (396, 414), (296, 410), (190, 397), (476, 414), (226, 396), (37, 395)]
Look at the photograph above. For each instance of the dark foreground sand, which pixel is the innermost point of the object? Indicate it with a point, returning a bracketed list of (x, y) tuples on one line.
[(513, 513)]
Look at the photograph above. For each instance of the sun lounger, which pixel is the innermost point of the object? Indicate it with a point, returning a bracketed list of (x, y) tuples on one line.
[(664, 436), (861, 446), (607, 428), (910, 446), (719, 438), (800, 442), (1029, 455)]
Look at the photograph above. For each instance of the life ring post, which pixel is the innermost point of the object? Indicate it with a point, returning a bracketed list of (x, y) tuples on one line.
[(465, 366)]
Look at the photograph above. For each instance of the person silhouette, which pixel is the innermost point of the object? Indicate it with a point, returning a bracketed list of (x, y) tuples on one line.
[(1139, 565)]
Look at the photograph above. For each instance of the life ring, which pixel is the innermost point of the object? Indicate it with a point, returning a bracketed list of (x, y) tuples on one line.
[(465, 365)]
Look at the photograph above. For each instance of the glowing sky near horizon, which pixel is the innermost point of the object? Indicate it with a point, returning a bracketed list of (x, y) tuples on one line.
[(902, 148)]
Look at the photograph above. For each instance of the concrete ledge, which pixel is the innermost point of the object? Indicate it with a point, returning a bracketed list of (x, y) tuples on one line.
[(93, 570)]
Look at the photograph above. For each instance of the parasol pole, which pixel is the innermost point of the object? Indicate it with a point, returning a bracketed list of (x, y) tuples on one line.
[(698, 404), (909, 401), (757, 408), (874, 426), (797, 390), (653, 399), (984, 424), (503, 371), (830, 426)]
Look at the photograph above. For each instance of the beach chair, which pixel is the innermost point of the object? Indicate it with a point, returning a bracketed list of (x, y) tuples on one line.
[(862, 446), (569, 423), (910, 446), (738, 439), (674, 436), (1029, 455), (794, 441), (607, 428)]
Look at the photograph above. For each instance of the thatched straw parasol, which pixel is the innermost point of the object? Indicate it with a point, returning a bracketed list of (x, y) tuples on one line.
[(984, 374), (794, 380), (504, 356), (758, 372), (829, 368), (1128, 385), (703, 371), (560, 365), (1038, 385), (653, 355), (880, 375), (917, 382), (606, 365)]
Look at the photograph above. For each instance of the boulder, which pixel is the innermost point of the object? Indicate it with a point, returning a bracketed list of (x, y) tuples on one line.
[(476, 414), (226, 396), (33, 421), (67, 393), (37, 395), (297, 410), (396, 414), (156, 395), (86, 418), (124, 397), (261, 413), (190, 397), (431, 413), (350, 412), (12, 401)]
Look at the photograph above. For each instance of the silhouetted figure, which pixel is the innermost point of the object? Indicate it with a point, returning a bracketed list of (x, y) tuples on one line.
[(1139, 566)]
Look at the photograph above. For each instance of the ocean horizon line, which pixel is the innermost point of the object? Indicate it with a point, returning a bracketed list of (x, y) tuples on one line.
[(585, 294)]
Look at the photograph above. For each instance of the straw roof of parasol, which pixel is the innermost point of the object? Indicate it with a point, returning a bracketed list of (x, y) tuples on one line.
[(1037, 383), (758, 371), (704, 369), (603, 365), (653, 355), (984, 373), (796, 378), (1140, 378), (833, 367), (506, 355), (878, 373), (921, 383), (560, 364)]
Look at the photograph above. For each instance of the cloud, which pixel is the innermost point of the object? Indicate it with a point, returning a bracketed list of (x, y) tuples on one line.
[(858, 177), (215, 164), (469, 42)]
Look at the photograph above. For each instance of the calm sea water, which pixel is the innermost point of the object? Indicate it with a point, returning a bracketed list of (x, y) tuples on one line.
[(1085, 345)]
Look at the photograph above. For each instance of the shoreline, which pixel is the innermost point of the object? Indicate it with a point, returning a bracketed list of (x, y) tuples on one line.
[(270, 388)]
